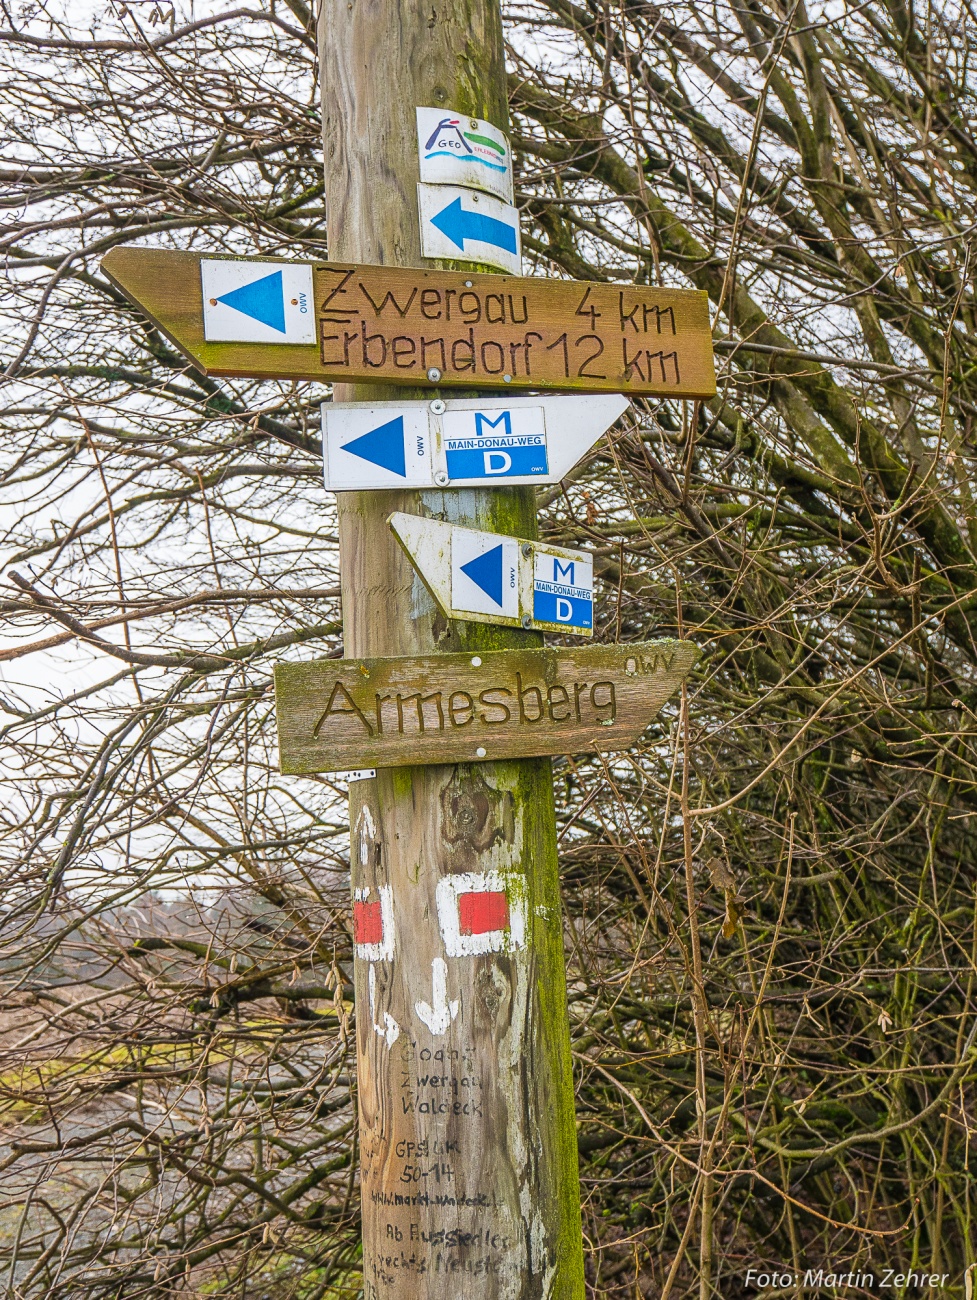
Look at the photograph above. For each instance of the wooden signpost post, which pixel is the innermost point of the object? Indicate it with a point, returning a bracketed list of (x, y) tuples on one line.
[(468, 1179), (437, 329)]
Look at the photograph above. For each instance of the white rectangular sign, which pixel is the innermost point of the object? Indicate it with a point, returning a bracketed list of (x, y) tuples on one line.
[(257, 302), (490, 578), (468, 442), (484, 573), (467, 226), (458, 150), (375, 446), (563, 589), (505, 444)]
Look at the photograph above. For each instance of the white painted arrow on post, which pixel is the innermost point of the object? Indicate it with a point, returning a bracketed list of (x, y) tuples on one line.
[(389, 1031), (476, 442), (438, 1016)]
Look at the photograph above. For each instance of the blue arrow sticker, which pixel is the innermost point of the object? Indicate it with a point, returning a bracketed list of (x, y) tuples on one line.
[(486, 573), (263, 300), (458, 224), (383, 446)]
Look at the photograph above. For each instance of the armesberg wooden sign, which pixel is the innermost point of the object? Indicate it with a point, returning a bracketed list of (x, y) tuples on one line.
[(384, 324), (335, 714)]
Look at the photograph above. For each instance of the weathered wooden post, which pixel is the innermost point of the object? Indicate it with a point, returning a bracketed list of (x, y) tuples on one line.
[(469, 1159)]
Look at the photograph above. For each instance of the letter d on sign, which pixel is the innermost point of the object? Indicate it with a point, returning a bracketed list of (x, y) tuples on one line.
[(564, 610), (491, 457)]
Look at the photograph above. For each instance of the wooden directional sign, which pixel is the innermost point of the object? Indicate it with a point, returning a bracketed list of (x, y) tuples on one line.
[(461, 443), (385, 324), (489, 578), (459, 708)]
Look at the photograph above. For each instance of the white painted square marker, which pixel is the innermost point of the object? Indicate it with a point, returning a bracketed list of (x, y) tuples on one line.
[(257, 302), (480, 912)]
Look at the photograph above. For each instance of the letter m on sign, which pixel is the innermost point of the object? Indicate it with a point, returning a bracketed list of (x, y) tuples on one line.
[(505, 419), (563, 571)]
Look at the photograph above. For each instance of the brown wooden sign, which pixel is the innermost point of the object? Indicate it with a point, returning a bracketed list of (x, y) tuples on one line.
[(456, 708), (383, 324)]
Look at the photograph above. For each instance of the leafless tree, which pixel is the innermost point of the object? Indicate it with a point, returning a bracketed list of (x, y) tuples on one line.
[(770, 903)]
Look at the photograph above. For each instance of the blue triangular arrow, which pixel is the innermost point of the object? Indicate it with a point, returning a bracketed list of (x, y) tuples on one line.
[(384, 446), (486, 572), (263, 300)]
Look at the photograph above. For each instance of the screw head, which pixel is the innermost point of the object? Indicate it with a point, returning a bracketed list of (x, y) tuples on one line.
[(438, 407), (476, 661), (468, 284), (434, 374), (507, 379), (480, 752), (527, 621), (526, 549), (473, 123), (441, 478)]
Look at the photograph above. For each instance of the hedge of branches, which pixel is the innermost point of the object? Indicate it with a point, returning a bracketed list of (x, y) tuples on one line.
[(770, 906)]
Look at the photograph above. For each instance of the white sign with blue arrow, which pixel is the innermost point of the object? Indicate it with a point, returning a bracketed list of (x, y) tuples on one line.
[(465, 225), (488, 578), (484, 573), (257, 302), (469, 442), (382, 446)]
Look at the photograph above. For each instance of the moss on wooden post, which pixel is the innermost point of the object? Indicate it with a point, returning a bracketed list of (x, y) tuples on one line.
[(469, 1160)]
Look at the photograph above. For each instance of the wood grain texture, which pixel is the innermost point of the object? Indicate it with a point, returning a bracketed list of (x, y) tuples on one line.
[(336, 715), (502, 331), (386, 325), (511, 1230), (467, 1135)]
